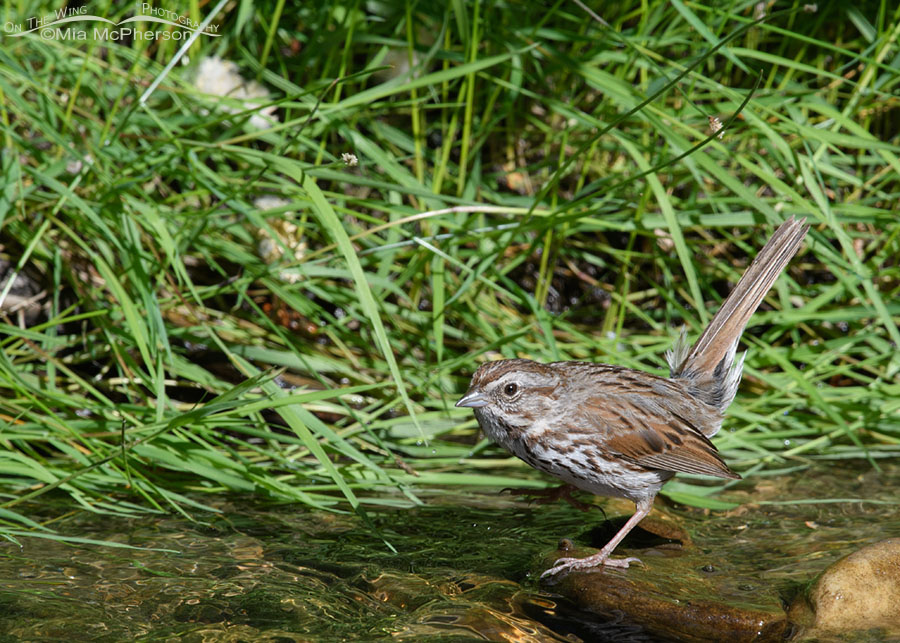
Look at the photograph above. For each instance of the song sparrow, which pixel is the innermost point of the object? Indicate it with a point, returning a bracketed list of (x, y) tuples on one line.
[(619, 432)]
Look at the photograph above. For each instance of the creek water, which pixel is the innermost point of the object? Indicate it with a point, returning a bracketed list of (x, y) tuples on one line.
[(461, 568)]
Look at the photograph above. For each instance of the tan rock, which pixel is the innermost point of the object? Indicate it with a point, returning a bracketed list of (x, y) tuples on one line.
[(860, 592)]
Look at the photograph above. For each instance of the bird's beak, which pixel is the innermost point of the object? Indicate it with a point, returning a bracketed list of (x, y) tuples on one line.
[(473, 400)]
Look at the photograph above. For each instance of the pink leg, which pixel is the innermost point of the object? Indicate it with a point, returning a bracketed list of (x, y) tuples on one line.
[(566, 565)]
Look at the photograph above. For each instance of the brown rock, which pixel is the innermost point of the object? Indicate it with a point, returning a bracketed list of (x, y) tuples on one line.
[(681, 597)]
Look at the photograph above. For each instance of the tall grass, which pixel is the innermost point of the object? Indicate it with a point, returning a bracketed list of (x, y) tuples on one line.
[(531, 182)]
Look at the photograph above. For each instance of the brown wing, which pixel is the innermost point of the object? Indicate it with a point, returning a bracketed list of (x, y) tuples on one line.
[(642, 431)]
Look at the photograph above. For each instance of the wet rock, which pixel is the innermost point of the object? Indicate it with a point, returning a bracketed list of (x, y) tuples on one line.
[(664, 526), (688, 597), (860, 592), (403, 591), (660, 528)]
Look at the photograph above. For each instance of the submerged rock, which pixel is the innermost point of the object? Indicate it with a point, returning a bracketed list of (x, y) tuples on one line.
[(860, 592), (679, 595)]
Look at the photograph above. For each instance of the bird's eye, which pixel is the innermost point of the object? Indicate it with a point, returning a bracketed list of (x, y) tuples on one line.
[(511, 388)]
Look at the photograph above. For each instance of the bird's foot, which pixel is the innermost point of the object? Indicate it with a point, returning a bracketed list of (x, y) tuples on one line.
[(564, 566)]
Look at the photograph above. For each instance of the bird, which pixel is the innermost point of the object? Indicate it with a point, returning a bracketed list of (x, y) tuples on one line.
[(620, 432)]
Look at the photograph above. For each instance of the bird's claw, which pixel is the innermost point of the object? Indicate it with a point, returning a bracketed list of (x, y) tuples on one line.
[(566, 565)]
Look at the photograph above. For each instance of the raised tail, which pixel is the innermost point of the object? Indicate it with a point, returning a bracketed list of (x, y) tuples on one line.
[(709, 363)]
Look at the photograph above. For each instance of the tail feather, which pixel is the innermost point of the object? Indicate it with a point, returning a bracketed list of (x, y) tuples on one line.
[(709, 363)]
